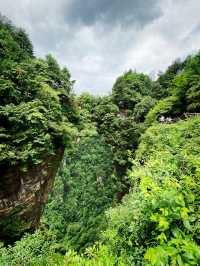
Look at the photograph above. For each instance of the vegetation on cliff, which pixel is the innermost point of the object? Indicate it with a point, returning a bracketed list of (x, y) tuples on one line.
[(37, 120), (36, 105)]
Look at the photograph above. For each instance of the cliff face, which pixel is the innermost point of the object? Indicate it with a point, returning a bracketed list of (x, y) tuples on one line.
[(37, 115), (23, 194)]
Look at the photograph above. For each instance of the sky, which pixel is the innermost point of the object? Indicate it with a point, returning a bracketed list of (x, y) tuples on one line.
[(98, 40)]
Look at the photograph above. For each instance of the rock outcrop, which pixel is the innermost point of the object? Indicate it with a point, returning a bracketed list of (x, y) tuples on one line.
[(23, 194)]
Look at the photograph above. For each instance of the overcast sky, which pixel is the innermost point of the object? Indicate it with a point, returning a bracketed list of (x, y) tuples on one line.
[(98, 40)]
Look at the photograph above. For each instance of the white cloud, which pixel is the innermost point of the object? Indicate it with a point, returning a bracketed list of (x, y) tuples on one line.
[(96, 53), (167, 38)]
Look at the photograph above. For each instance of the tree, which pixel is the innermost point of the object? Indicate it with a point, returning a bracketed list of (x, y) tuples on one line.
[(24, 42), (165, 79), (129, 89)]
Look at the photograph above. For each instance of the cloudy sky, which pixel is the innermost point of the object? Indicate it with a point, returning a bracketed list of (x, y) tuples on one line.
[(100, 39)]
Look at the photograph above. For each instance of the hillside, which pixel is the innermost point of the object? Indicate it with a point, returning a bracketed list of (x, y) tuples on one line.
[(159, 219), (90, 180)]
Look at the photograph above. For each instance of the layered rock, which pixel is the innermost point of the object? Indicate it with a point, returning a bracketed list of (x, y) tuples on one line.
[(23, 194)]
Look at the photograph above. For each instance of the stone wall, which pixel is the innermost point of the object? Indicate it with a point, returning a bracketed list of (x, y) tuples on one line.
[(23, 194)]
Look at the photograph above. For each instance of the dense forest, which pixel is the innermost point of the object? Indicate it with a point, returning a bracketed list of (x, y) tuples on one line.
[(127, 191)]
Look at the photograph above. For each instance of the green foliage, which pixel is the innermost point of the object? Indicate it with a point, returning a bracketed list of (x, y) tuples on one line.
[(158, 222), (35, 117), (169, 106), (183, 89), (32, 249), (178, 251), (187, 84), (165, 79), (120, 117), (14, 43), (143, 107), (129, 88), (104, 106), (21, 37), (87, 104), (86, 188), (97, 255), (120, 127), (58, 78)]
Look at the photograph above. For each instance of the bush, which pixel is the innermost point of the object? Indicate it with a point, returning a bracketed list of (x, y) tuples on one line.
[(170, 106), (35, 116), (157, 222)]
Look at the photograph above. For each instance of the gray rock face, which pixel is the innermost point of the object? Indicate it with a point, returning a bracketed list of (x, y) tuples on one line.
[(24, 193)]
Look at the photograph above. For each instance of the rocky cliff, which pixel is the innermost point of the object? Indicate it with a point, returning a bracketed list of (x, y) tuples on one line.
[(38, 117), (23, 194)]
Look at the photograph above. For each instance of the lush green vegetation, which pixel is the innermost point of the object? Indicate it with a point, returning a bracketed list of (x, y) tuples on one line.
[(36, 108), (159, 219), (86, 188), (128, 190)]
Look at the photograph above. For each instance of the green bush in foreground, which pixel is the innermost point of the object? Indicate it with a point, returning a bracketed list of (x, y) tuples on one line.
[(158, 222)]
